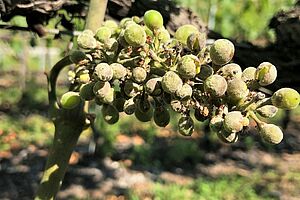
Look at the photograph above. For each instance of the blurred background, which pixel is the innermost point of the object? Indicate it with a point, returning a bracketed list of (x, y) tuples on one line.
[(135, 160)]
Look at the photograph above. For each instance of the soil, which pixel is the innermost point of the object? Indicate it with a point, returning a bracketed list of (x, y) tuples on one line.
[(91, 176)]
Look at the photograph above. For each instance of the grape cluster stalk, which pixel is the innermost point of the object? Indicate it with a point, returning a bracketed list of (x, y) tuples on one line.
[(136, 67)]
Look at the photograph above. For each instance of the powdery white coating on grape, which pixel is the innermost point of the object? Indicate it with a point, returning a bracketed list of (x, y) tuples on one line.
[(135, 35), (216, 85), (103, 72), (266, 73), (222, 51), (171, 82), (271, 133), (233, 121)]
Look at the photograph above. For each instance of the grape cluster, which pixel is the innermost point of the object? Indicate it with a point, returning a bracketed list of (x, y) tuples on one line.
[(136, 67)]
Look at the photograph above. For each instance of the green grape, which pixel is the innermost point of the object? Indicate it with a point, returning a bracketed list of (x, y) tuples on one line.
[(148, 32), (185, 92), (237, 89), (83, 77), (129, 106), (196, 41), (70, 100), (153, 20), (143, 115), (205, 72), (86, 40), (119, 101), (163, 35), (121, 39), (103, 72), (111, 45), (135, 35), (171, 82), (144, 105), (267, 111), (110, 114), (101, 88), (249, 74), (86, 91), (183, 32), (215, 85), (119, 71), (233, 121), (111, 24), (139, 74), (271, 133), (131, 89), (161, 116), (187, 67), (286, 98), (266, 73), (227, 137), (230, 71), (103, 34), (216, 123), (76, 56), (124, 21), (186, 126), (221, 52), (153, 87)]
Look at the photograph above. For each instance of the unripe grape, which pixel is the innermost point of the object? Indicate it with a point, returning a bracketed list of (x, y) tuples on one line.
[(131, 89), (124, 21), (233, 121), (135, 35), (237, 89), (230, 71), (196, 41), (101, 88), (111, 45), (205, 72), (119, 71), (103, 34), (215, 85), (83, 76), (153, 86), (110, 114), (111, 24), (153, 20), (286, 98), (163, 35), (267, 111), (103, 72), (119, 102), (76, 56), (143, 116), (148, 31), (271, 133), (249, 74), (187, 67), (183, 32), (186, 126), (86, 91), (221, 52), (129, 106), (121, 39), (227, 137), (161, 116), (266, 73), (139, 74), (171, 82), (216, 123), (86, 40), (70, 100), (108, 97), (185, 92)]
